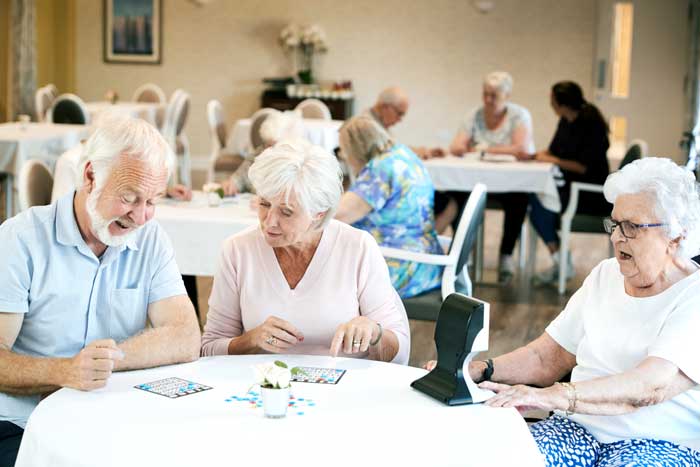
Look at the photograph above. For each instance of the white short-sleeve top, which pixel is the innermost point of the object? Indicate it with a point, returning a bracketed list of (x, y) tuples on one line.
[(611, 332)]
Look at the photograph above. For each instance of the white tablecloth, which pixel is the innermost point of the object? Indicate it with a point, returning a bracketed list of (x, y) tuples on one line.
[(197, 231), (145, 110), (371, 417), (323, 133), (20, 142), (461, 174)]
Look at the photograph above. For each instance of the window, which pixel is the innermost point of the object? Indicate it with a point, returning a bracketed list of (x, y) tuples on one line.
[(622, 49)]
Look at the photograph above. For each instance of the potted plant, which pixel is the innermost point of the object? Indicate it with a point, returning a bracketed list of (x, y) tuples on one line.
[(274, 379)]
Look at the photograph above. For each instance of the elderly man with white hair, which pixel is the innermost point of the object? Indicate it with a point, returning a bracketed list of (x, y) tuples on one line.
[(302, 282), (80, 278), (629, 336)]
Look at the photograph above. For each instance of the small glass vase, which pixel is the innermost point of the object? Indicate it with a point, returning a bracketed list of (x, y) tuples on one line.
[(275, 402), (306, 76)]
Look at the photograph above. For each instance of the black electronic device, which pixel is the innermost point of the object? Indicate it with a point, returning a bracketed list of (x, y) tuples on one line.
[(461, 332)]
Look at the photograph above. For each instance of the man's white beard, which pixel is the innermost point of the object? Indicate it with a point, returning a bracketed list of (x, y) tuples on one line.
[(100, 225)]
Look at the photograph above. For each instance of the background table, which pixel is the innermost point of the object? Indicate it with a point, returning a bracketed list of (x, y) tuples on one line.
[(462, 173), (145, 110), (20, 142), (197, 231), (371, 417), (323, 133)]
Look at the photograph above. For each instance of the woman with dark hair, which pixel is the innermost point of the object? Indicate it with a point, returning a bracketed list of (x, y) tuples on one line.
[(579, 148)]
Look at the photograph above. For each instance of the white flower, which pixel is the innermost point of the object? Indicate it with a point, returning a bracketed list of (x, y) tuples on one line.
[(270, 374)]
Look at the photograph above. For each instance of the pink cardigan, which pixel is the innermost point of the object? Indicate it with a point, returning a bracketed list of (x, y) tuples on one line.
[(347, 277)]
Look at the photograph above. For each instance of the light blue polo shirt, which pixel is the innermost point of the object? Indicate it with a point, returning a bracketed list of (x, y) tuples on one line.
[(70, 297)]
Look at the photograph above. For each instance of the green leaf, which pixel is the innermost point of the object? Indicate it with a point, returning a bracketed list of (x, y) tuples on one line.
[(280, 364), (220, 192)]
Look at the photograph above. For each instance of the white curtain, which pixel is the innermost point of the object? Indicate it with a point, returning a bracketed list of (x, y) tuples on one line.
[(23, 56)]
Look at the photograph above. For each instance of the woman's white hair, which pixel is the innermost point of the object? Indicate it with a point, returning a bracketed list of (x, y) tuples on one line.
[(675, 194), (116, 135), (281, 125), (298, 166), (500, 80)]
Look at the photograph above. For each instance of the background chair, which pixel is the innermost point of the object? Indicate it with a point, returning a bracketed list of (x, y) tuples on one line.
[(571, 221), (42, 103), (152, 93), (68, 108), (53, 90), (220, 160), (455, 276), (149, 92), (313, 108), (256, 122), (34, 184), (173, 131)]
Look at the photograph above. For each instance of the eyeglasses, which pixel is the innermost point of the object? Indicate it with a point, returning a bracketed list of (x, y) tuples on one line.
[(627, 228)]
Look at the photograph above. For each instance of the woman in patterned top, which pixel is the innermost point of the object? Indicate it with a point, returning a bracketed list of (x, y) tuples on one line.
[(392, 199)]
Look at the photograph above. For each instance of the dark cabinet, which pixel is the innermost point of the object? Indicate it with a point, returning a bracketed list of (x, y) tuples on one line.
[(341, 109)]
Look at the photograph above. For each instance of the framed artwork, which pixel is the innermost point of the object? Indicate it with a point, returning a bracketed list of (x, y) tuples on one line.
[(132, 31)]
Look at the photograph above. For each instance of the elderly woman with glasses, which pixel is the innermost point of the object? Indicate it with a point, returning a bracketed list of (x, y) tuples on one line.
[(629, 336), (302, 282)]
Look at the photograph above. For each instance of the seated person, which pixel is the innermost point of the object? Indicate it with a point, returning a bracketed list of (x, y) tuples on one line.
[(629, 334), (579, 148), (276, 127), (391, 198), (302, 282), (499, 127), (389, 109), (80, 278)]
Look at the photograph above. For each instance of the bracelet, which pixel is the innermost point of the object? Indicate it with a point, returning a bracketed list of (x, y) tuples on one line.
[(488, 371), (572, 396), (379, 337)]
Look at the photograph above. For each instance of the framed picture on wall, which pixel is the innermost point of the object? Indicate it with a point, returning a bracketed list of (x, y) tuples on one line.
[(132, 31)]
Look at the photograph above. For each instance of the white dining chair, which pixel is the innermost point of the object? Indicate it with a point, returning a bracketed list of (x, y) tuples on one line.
[(314, 109)]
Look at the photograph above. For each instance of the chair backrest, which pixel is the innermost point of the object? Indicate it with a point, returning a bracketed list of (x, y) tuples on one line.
[(42, 103), (314, 108), (635, 150), (182, 109), (217, 127), (34, 184), (149, 92), (463, 240), (256, 122), (69, 108), (169, 119)]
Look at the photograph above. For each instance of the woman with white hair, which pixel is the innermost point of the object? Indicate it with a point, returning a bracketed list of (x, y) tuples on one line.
[(301, 282), (629, 336), (391, 198), (276, 127), (497, 127)]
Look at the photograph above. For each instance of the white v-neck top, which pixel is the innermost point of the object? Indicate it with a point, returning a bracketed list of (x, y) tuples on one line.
[(347, 277)]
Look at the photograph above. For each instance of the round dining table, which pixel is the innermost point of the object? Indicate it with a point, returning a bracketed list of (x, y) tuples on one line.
[(370, 417)]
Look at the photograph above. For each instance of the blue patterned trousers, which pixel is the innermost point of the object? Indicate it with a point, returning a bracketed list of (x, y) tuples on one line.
[(564, 442)]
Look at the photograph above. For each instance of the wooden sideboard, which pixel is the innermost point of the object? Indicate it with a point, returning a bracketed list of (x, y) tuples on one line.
[(341, 109)]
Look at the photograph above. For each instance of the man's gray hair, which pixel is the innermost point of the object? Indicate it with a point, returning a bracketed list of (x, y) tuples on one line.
[(500, 80), (298, 166), (392, 96), (675, 194), (363, 139), (280, 126), (116, 135)]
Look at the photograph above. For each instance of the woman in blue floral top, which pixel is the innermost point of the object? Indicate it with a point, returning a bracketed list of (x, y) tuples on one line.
[(392, 199)]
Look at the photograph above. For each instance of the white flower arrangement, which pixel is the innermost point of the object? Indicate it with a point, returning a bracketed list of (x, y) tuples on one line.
[(311, 37), (274, 375)]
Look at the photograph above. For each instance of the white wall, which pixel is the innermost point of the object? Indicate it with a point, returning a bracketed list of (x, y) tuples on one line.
[(439, 50), (656, 104)]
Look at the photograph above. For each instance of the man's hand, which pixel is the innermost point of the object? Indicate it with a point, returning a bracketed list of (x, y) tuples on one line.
[(92, 366), (180, 193)]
